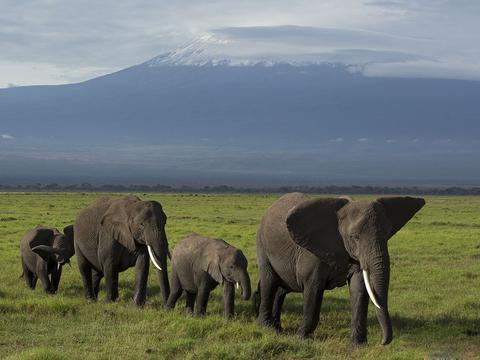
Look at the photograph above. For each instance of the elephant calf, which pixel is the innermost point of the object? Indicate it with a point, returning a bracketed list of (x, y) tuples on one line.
[(199, 264), (44, 250)]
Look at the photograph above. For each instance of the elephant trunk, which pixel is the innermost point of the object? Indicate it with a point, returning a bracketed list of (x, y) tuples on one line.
[(379, 271), (156, 240), (245, 285)]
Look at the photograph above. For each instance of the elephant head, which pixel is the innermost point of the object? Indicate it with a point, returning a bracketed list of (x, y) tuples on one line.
[(134, 223), (62, 248), (229, 264), (364, 228)]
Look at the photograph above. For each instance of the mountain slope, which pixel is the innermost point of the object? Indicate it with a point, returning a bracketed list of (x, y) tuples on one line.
[(191, 102), (311, 110)]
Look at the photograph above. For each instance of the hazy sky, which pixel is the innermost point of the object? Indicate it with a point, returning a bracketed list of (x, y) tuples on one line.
[(60, 41)]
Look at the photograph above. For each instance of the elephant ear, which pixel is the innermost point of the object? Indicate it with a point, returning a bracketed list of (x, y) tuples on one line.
[(114, 225), (400, 210), (311, 222), (68, 231), (41, 236), (47, 252), (211, 265)]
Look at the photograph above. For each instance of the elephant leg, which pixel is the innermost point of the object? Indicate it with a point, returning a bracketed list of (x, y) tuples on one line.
[(111, 282), (42, 272), (56, 275), (29, 277), (228, 300), (175, 292), (86, 273), (277, 307), (269, 283), (359, 303), (201, 300), (256, 300), (190, 302), (312, 302), (96, 277), (141, 277), (164, 284)]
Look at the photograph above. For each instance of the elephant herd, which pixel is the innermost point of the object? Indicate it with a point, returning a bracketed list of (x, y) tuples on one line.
[(305, 245)]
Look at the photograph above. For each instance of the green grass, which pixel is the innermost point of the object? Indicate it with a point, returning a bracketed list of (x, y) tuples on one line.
[(434, 296)]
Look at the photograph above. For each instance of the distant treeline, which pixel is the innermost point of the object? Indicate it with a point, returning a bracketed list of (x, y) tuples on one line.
[(330, 189)]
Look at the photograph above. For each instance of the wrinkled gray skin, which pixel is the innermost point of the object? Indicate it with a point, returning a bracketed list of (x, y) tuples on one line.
[(111, 235), (199, 264), (309, 245), (44, 251)]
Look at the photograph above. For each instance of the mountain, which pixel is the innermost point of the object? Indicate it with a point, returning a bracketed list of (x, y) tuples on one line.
[(186, 115)]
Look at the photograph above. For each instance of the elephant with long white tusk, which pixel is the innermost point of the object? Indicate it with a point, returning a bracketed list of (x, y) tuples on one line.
[(112, 235), (311, 245)]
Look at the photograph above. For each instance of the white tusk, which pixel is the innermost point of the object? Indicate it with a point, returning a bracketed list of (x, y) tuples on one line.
[(236, 284), (58, 266), (369, 289), (152, 257)]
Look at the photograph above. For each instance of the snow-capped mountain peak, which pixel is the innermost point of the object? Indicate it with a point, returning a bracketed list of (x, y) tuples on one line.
[(291, 45), (214, 50)]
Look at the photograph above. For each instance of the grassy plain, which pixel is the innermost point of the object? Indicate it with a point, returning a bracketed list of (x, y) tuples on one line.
[(434, 293)]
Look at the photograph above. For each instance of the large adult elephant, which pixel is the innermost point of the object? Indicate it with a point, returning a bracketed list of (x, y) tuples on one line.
[(112, 235), (309, 245)]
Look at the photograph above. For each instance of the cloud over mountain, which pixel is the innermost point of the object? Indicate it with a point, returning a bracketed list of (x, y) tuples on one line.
[(74, 41)]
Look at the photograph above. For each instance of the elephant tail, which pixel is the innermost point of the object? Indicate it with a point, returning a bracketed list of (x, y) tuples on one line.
[(256, 300)]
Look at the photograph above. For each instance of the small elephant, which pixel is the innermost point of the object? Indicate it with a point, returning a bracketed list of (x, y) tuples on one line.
[(112, 235), (44, 251), (310, 245), (199, 264)]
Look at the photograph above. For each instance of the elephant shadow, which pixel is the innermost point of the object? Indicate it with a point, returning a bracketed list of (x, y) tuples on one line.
[(71, 290), (414, 327), (407, 327), (126, 287)]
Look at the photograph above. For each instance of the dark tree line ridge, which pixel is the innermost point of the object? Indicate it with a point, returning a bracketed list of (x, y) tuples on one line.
[(328, 189)]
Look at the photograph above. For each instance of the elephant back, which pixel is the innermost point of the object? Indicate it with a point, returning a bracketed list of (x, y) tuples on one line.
[(273, 230)]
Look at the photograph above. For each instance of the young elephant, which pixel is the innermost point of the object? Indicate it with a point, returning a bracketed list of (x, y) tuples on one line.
[(199, 264), (44, 250)]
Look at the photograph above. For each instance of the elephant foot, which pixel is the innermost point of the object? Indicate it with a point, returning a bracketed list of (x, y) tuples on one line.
[(277, 326), (188, 312), (387, 340), (139, 300), (91, 299), (265, 323), (358, 342), (303, 334), (50, 291), (229, 316)]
